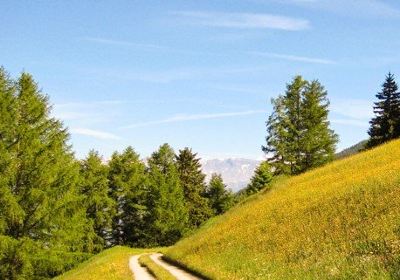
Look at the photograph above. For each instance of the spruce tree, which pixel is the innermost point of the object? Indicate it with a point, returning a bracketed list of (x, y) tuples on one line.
[(128, 189), (99, 205), (43, 227), (193, 183), (385, 126), (299, 137), (261, 178), (220, 198), (168, 214)]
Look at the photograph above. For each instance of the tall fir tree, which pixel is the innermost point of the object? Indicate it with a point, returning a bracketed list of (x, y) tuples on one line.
[(128, 189), (43, 227), (299, 137), (192, 180), (385, 126), (261, 178), (168, 212), (220, 198), (100, 207)]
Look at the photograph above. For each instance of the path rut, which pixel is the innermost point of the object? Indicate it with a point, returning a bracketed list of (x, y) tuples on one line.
[(139, 272), (179, 273)]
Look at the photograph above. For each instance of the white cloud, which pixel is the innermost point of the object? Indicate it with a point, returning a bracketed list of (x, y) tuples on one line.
[(294, 58), (95, 134), (185, 117), (243, 20)]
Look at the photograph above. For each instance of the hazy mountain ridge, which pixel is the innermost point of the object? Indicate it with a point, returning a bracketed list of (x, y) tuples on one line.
[(236, 172)]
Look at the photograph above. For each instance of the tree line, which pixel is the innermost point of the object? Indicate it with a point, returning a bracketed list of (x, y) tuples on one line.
[(55, 210)]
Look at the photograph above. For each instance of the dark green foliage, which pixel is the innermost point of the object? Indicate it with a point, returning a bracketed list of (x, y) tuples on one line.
[(260, 180), (41, 211), (221, 199), (100, 207), (128, 189), (299, 137), (385, 126), (168, 214), (360, 146), (193, 183)]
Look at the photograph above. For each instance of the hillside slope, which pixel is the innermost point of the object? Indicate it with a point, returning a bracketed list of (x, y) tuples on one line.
[(341, 221)]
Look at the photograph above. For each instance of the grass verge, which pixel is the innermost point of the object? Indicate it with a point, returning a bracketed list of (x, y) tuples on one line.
[(157, 271)]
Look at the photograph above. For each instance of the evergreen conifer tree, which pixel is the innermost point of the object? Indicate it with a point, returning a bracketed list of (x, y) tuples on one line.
[(168, 213), (128, 189), (100, 207), (193, 183), (318, 141), (219, 197), (43, 227), (385, 125), (261, 178), (299, 137)]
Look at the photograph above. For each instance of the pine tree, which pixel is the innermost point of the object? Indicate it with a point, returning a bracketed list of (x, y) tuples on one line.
[(220, 198), (385, 126), (299, 137), (261, 178), (128, 189), (168, 213), (43, 228), (193, 183), (100, 207)]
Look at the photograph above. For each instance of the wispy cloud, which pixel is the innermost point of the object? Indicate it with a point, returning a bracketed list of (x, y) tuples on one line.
[(173, 75), (95, 133), (358, 109), (295, 58), (350, 122), (86, 112), (243, 20), (145, 46), (356, 112), (358, 8), (123, 43), (195, 117), (88, 104)]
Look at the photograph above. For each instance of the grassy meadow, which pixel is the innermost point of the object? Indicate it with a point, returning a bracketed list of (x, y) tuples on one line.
[(341, 221), (111, 264)]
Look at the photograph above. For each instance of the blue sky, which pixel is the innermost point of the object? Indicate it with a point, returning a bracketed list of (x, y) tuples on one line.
[(198, 73)]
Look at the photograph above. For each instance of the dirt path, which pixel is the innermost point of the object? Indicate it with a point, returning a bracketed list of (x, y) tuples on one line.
[(175, 271), (139, 272)]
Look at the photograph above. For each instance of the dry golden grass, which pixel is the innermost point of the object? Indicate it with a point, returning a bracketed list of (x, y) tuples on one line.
[(341, 221)]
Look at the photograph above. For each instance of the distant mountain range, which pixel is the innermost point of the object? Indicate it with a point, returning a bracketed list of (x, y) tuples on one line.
[(236, 172)]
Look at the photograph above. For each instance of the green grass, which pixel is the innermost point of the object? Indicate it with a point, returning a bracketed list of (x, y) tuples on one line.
[(111, 264), (341, 221), (157, 271)]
